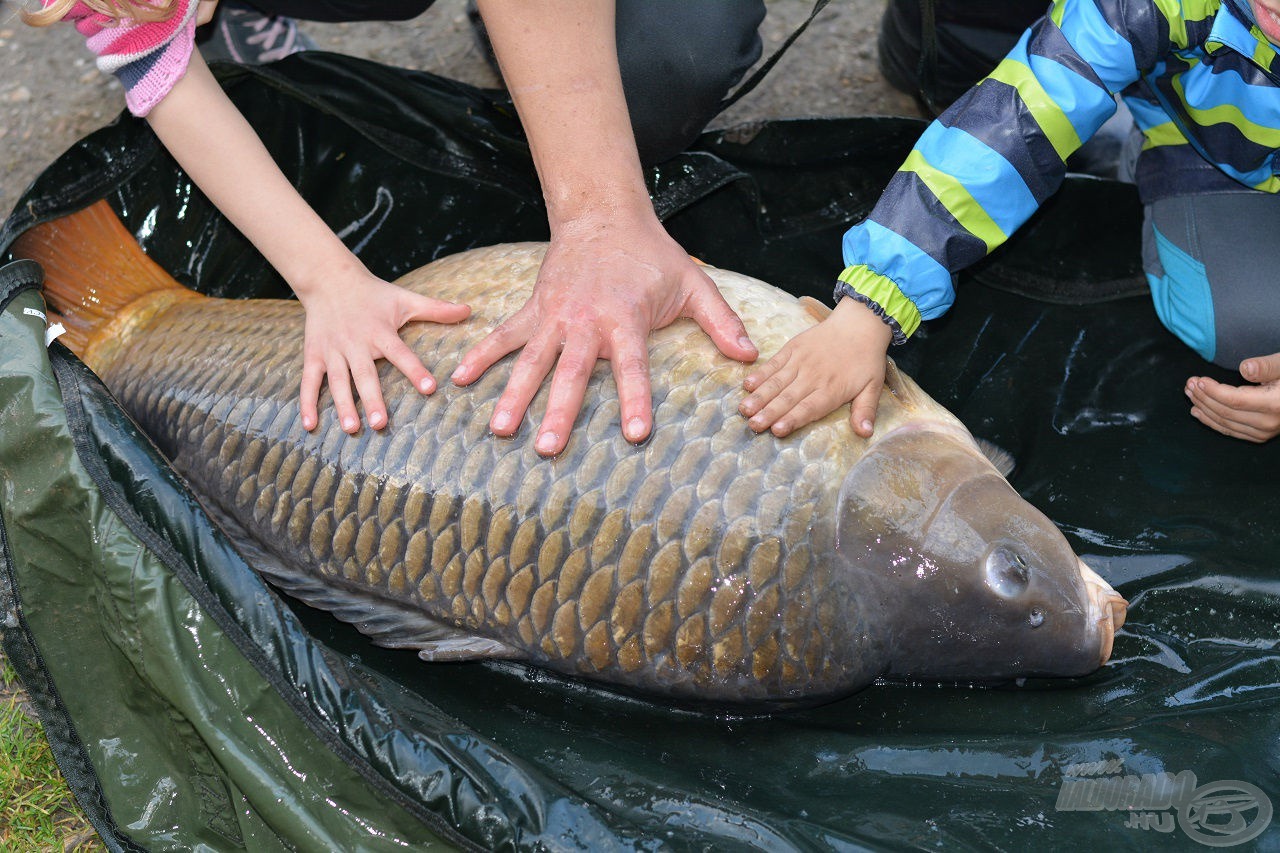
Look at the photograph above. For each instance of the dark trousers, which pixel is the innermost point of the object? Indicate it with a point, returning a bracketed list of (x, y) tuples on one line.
[(678, 58), (971, 38)]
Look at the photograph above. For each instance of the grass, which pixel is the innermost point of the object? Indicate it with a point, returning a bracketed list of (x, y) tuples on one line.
[(37, 811)]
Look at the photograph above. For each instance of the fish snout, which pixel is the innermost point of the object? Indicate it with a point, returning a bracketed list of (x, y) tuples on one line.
[(1107, 609)]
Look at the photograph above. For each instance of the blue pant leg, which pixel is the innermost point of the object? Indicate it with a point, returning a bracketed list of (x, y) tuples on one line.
[(1211, 261)]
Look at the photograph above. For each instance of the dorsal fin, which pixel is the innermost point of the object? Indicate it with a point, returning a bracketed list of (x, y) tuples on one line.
[(93, 270), (999, 457), (815, 309)]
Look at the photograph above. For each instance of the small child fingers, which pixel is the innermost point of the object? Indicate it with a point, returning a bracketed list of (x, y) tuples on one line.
[(815, 406), (1245, 406), (343, 402), (309, 392), (1228, 428), (365, 376), (761, 374), (781, 405), (439, 311), (407, 362), (772, 385), (862, 411)]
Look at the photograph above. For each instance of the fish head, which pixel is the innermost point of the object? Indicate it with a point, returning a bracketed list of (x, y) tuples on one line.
[(975, 583)]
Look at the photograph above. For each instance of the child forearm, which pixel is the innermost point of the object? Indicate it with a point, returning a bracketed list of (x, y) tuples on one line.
[(214, 143), (353, 318)]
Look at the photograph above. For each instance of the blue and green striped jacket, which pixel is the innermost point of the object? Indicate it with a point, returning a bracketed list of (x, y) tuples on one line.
[(1197, 74)]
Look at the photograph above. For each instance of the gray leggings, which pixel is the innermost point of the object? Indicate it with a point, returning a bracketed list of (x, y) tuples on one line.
[(1207, 259)]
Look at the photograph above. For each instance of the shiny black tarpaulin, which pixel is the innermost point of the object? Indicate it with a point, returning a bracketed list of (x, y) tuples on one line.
[(1052, 352)]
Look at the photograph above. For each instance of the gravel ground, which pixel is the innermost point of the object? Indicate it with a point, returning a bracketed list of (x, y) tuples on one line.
[(51, 94)]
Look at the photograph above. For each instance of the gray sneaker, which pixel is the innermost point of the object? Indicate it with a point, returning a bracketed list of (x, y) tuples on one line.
[(240, 33)]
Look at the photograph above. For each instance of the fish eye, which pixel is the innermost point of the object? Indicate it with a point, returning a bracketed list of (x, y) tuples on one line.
[(1036, 617), (1007, 572)]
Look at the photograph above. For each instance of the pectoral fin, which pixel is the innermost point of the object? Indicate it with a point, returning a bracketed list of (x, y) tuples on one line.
[(815, 309), (386, 623)]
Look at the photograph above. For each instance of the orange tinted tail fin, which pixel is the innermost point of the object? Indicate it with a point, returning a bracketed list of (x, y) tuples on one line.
[(93, 271)]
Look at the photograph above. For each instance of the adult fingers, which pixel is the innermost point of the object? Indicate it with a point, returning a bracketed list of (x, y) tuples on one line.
[(629, 358), (568, 387), (508, 337), (708, 308), (533, 365)]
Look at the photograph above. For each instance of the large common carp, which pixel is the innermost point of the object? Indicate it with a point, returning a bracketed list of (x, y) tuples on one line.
[(709, 565)]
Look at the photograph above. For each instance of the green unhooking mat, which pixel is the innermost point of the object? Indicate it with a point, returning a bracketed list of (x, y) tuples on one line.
[(191, 707)]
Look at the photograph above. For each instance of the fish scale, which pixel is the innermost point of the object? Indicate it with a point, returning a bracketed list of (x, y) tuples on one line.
[(707, 564), (709, 613)]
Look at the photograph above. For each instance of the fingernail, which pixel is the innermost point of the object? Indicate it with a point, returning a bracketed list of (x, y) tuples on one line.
[(459, 374), (427, 385), (756, 423), (547, 443), (747, 407), (501, 421), (745, 343), (867, 426), (635, 429), (1249, 368), (375, 420), (349, 424)]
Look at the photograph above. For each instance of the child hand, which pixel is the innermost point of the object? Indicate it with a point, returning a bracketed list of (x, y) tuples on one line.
[(349, 326), (839, 360), (1250, 412)]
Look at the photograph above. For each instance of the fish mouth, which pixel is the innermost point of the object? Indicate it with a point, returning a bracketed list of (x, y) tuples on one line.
[(1107, 608)]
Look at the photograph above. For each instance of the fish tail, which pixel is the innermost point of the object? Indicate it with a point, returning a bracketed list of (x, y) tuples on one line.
[(94, 270)]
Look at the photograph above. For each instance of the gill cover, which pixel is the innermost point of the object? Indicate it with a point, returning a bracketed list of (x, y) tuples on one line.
[(973, 581)]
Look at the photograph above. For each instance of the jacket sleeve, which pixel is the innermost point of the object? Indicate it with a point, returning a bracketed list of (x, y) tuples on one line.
[(987, 163), (147, 57)]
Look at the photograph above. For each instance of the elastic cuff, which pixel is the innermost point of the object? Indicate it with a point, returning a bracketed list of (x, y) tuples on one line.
[(881, 295)]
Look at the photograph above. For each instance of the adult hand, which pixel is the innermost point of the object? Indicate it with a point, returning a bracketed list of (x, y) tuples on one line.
[(841, 359), (603, 286), (350, 324), (1250, 412)]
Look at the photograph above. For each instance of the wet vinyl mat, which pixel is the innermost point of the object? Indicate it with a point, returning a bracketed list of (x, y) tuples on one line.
[(188, 704)]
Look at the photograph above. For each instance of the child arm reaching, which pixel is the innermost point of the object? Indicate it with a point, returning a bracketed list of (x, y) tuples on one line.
[(353, 317)]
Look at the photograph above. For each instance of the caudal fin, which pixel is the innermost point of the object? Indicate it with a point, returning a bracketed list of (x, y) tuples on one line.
[(93, 272)]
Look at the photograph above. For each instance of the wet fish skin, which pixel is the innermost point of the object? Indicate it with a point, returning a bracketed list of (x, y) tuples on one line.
[(709, 565), (691, 566)]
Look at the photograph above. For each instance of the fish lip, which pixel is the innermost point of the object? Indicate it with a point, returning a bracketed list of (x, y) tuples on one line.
[(1106, 609)]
